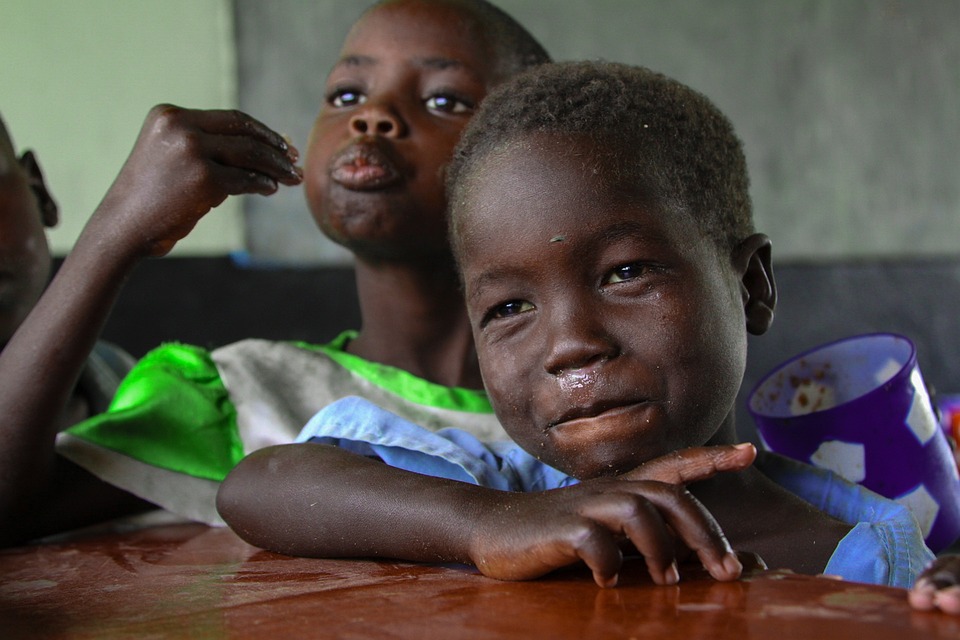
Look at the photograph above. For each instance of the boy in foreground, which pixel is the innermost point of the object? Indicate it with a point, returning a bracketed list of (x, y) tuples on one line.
[(602, 224)]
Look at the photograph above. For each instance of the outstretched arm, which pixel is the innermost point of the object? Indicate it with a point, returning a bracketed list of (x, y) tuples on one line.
[(183, 164), (316, 500)]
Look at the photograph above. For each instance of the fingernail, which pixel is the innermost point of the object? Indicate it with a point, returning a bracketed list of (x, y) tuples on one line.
[(743, 446), (611, 582), (672, 574), (732, 564)]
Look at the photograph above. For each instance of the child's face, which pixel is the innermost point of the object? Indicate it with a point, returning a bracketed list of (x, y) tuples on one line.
[(608, 332), (408, 80), (24, 253)]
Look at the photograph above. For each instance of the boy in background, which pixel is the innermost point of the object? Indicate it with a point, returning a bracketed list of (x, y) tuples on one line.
[(410, 76), (27, 210)]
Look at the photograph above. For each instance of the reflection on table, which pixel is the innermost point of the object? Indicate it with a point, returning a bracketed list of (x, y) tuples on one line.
[(190, 581)]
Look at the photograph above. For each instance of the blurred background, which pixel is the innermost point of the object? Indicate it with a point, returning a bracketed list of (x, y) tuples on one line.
[(848, 108)]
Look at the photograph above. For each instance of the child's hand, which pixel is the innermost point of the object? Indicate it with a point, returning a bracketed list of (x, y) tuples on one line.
[(526, 535), (938, 587), (184, 163), (694, 464)]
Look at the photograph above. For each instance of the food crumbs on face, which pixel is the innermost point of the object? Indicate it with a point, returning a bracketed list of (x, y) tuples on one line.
[(558, 238)]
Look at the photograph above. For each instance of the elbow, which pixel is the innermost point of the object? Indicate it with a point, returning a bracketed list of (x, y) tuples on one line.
[(254, 499), (236, 503)]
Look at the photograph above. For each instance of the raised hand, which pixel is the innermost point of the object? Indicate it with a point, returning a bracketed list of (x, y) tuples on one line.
[(523, 536), (184, 163)]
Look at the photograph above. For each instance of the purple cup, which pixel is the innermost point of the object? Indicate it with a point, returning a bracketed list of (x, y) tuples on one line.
[(859, 407)]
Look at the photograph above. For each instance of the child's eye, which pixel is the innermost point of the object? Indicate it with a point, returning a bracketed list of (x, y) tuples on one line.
[(446, 103), (346, 98), (626, 272), (509, 309)]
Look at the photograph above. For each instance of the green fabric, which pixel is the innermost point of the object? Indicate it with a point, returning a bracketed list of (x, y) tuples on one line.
[(403, 383), (172, 397), (173, 411)]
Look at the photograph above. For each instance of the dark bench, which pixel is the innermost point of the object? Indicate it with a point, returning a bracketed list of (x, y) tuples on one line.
[(212, 301)]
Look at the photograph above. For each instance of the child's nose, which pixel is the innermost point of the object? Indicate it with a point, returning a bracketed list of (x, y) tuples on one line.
[(577, 342), (377, 120)]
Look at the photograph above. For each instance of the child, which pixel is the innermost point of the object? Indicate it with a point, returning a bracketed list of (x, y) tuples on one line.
[(602, 224), (184, 163), (409, 78), (27, 209)]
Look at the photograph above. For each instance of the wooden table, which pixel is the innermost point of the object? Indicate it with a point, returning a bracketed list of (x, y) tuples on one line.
[(189, 581)]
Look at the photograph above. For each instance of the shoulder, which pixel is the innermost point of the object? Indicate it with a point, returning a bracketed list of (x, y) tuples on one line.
[(362, 427), (885, 544)]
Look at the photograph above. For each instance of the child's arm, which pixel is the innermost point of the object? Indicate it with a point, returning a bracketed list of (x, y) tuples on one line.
[(938, 587), (316, 500), (183, 164)]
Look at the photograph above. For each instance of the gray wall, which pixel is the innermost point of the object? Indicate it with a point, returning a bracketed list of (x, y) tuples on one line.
[(848, 108)]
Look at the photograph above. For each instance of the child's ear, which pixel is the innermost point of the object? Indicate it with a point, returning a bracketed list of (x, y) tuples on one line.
[(49, 211), (752, 258)]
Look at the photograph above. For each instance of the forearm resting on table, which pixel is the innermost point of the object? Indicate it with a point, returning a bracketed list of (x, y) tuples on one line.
[(321, 501)]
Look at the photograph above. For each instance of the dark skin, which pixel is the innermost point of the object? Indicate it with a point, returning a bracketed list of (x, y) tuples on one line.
[(363, 508), (183, 164), (407, 82), (563, 284), (373, 178), (320, 501), (26, 211), (603, 396), (574, 305)]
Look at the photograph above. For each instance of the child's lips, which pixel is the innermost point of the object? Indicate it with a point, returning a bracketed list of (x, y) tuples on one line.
[(603, 409), (364, 167)]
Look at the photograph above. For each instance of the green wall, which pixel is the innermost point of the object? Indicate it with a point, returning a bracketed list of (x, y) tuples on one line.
[(78, 77)]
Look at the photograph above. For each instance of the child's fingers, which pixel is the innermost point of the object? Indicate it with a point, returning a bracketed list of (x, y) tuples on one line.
[(926, 596), (948, 600), (231, 122), (921, 596), (252, 155), (651, 538), (235, 181), (228, 136), (938, 586), (600, 553), (698, 463), (695, 527), (639, 519)]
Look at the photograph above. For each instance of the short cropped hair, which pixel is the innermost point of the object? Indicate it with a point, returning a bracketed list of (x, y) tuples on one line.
[(661, 134), (514, 48)]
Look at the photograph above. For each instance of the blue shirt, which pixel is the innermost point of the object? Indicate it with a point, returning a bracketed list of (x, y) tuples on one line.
[(885, 545)]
